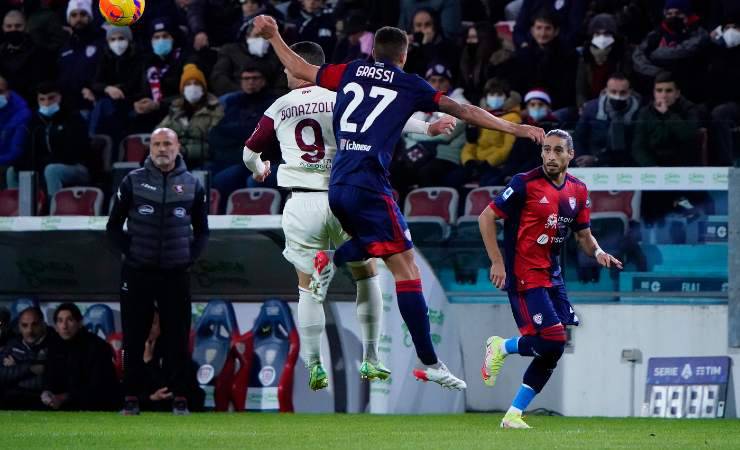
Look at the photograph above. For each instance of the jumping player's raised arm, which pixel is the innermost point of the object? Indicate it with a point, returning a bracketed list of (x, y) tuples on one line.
[(476, 116), (266, 27)]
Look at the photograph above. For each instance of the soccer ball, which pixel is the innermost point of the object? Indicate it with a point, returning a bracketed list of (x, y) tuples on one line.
[(121, 12)]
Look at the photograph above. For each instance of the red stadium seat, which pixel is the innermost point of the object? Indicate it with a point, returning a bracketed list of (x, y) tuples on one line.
[(10, 203), (479, 198), (254, 202), (134, 148), (626, 202), (430, 212), (77, 201), (214, 199)]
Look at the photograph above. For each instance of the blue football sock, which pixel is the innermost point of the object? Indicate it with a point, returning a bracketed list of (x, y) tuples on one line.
[(524, 397), (512, 345), (415, 314)]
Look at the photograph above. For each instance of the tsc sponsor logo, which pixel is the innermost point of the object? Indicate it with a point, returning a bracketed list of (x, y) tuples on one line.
[(146, 210), (543, 239), (346, 144), (557, 239)]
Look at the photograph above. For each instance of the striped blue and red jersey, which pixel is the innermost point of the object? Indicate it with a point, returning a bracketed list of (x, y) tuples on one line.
[(537, 215), (374, 102)]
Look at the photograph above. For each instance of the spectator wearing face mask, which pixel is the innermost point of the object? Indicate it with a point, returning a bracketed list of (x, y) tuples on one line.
[(192, 115), (487, 150), (678, 45), (724, 88), (484, 57), (115, 83), (604, 131), (249, 51), (78, 58), (23, 64), (160, 81), (604, 54)]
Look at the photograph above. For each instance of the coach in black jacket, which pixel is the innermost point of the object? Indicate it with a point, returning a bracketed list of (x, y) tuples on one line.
[(167, 230)]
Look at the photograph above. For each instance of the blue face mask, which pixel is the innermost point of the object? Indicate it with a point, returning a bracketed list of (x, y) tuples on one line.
[(3, 101), (162, 47), (49, 110), (537, 114), (495, 101)]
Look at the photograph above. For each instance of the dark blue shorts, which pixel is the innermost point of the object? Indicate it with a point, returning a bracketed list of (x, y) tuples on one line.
[(372, 219), (543, 312)]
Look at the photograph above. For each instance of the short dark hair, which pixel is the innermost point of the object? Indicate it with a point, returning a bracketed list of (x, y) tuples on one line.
[(253, 68), (498, 85), (543, 15), (562, 134), (72, 308), (33, 310), (47, 87), (666, 77), (390, 44), (619, 76), (310, 51)]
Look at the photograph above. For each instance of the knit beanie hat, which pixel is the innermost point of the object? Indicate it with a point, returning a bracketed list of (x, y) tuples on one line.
[(191, 72)]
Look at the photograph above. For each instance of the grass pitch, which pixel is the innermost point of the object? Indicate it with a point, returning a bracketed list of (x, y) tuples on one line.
[(343, 431)]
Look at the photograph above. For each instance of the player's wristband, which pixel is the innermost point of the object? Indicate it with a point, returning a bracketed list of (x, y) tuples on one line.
[(416, 126), (253, 161), (598, 252)]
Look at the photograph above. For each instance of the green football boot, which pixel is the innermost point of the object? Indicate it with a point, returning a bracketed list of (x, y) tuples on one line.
[(317, 378), (493, 361), (374, 371)]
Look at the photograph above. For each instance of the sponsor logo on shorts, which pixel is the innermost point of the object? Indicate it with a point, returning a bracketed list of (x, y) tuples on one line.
[(542, 240), (537, 318)]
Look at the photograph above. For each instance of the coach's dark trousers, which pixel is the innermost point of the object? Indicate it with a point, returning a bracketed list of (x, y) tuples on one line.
[(170, 290)]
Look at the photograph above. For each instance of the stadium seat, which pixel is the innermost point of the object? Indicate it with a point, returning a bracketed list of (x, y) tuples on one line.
[(102, 148), (214, 333), (269, 363), (77, 201), (475, 202), (254, 202), (10, 203), (134, 148), (98, 319), (611, 228), (214, 200), (430, 212), (626, 202)]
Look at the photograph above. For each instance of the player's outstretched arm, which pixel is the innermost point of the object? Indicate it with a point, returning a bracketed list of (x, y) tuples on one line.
[(487, 225), (590, 246), (482, 118), (266, 27)]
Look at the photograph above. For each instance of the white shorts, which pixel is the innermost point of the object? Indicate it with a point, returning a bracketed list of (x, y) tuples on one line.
[(309, 226)]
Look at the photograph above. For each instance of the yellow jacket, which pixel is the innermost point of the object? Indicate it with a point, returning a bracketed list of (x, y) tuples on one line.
[(492, 146)]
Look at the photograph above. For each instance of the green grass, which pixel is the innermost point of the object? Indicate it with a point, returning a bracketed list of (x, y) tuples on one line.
[(340, 431)]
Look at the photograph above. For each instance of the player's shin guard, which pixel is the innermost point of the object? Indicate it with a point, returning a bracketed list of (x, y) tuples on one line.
[(311, 323), (415, 314), (369, 314)]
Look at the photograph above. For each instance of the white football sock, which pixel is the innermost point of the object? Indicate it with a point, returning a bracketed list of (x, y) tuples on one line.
[(369, 314), (311, 323)]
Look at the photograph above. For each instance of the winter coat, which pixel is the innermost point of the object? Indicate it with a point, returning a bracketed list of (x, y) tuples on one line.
[(82, 367), (552, 68), (192, 127), (592, 133), (669, 139), (123, 72), (61, 138), (14, 119), (494, 146), (591, 78), (19, 375), (78, 62), (26, 66)]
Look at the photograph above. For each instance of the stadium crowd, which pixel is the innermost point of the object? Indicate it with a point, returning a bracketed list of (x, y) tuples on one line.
[(640, 82)]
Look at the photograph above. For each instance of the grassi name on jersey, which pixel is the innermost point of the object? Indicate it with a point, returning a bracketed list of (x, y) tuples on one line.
[(302, 120)]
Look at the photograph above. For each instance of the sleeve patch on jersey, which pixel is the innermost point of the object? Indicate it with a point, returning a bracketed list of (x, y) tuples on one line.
[(330, 75), (437, 97), (507, 193), (588, 203)]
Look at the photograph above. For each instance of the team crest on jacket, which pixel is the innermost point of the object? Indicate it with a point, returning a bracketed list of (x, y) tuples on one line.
[(572, 202), (178, 188)]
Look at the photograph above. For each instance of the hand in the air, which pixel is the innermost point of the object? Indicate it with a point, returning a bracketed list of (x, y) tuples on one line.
[(536, 134), (444, 125)]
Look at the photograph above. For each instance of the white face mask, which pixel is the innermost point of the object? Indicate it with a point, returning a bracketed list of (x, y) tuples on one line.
[(118, 47), (193, 93), (258, 46), (731, 37), (602, 41)]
